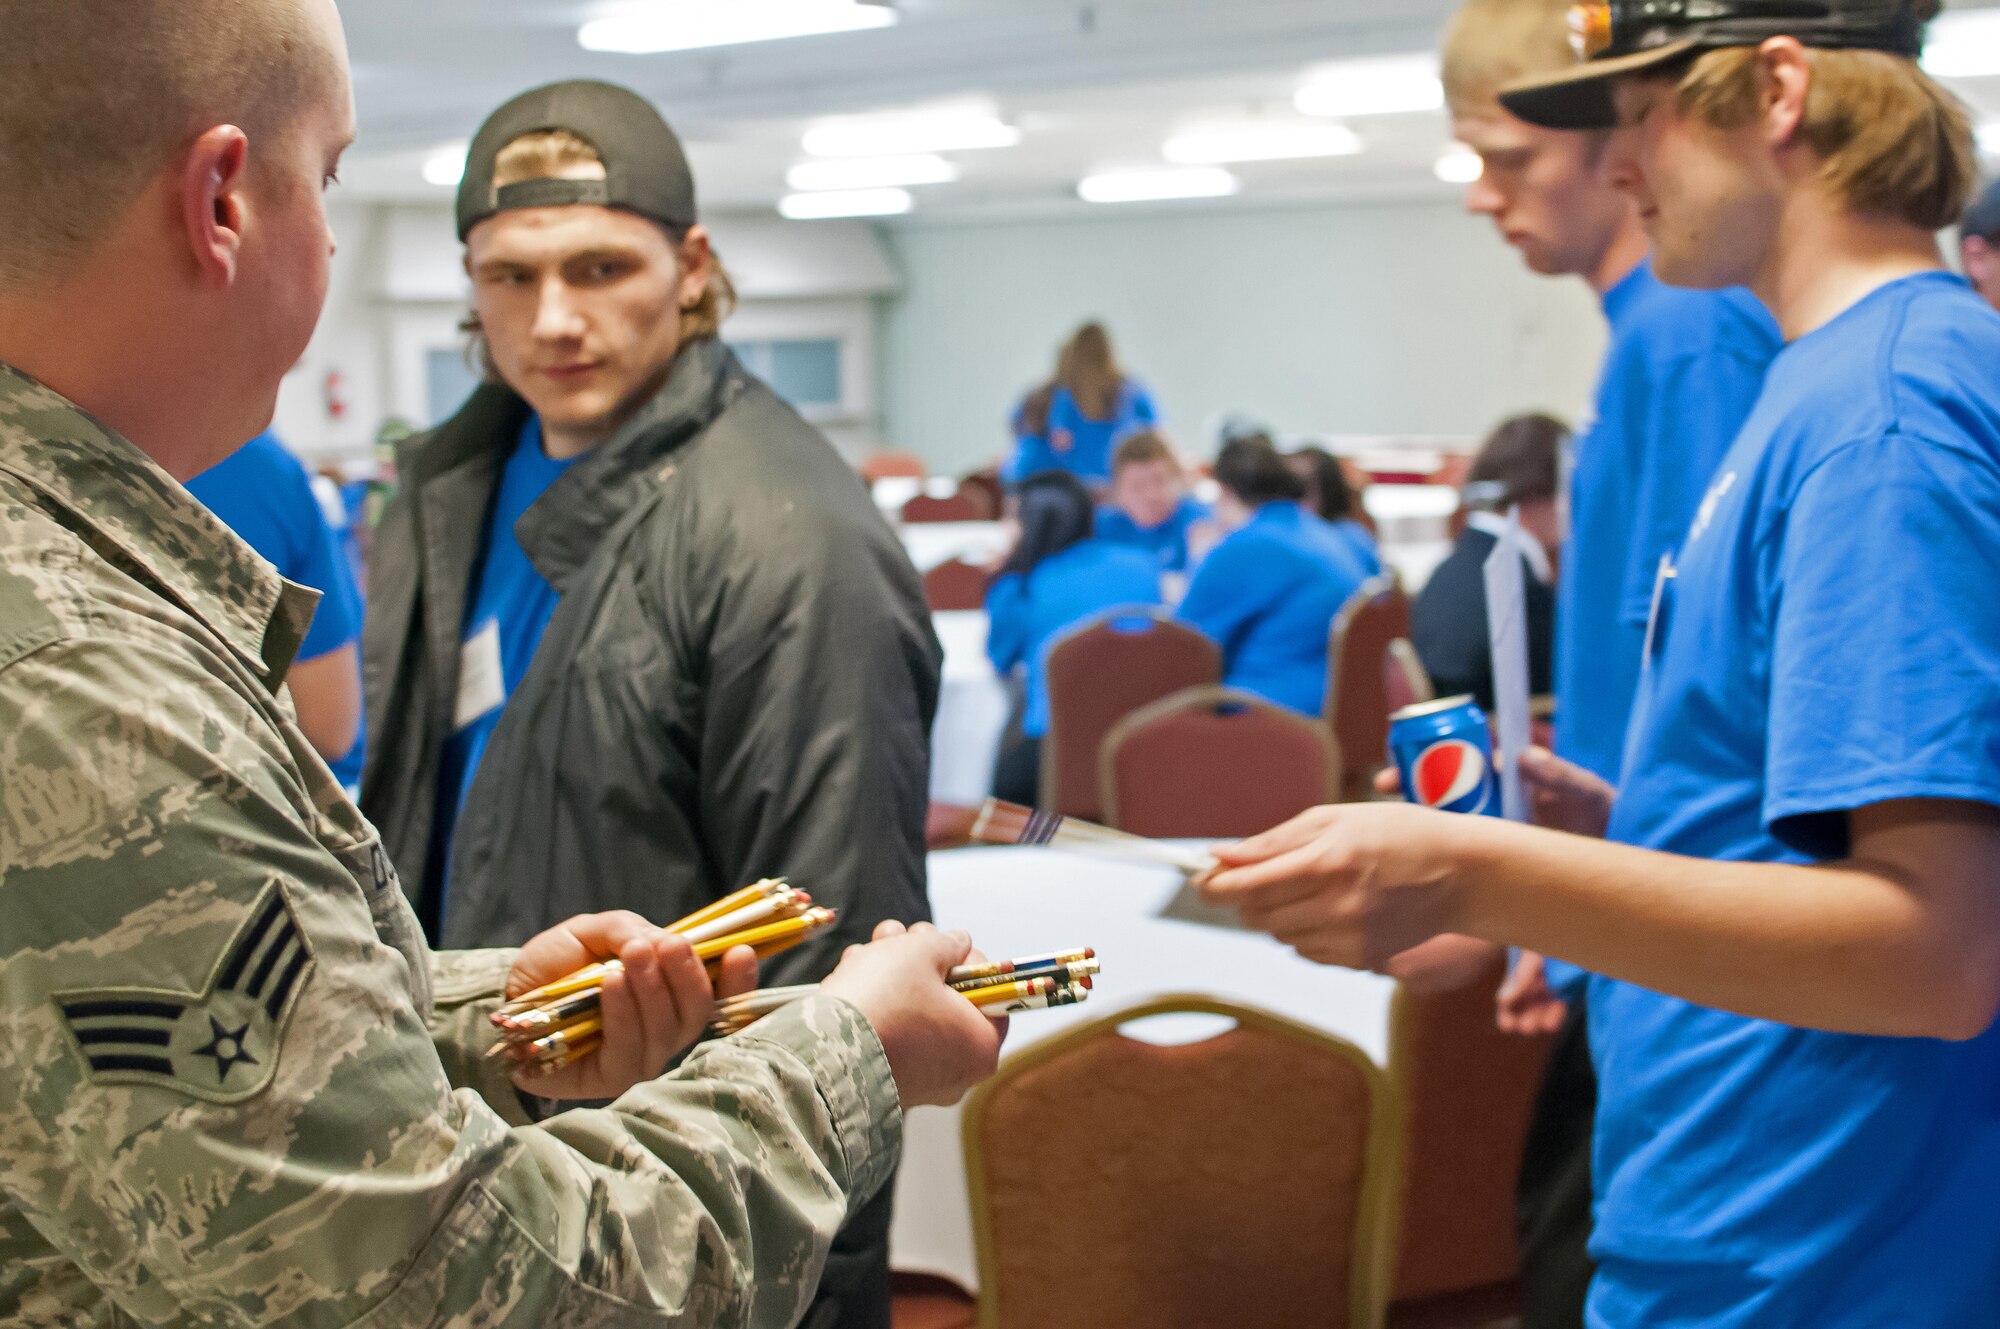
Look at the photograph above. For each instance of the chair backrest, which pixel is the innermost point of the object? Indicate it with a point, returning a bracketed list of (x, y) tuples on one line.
[(885, 465), (958, 506), (1405, 679), (1214, 762), (985, 487), (1097, 674), (1467, 1092), (1357, 701), (955, 584), (1244, 1180)]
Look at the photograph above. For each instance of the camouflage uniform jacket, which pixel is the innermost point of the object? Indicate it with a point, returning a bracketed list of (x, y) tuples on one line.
[(235, 1088)]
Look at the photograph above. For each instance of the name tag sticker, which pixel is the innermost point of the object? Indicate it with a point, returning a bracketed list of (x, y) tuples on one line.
[(481, 685)]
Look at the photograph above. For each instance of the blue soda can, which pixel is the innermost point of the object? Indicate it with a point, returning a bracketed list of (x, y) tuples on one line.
[(1444, 753)]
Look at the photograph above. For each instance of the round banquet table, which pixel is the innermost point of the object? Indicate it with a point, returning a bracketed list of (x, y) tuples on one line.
[(1022, 901)]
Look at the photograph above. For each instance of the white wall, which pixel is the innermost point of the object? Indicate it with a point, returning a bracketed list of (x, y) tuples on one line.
[(1404, 318)]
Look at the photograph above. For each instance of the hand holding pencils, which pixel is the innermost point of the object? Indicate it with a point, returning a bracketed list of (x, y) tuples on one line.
[(1006, 987)]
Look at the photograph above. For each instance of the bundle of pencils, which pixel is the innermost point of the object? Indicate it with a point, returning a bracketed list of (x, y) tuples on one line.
[(557, 1024), (1010, 823), (1006, 987)]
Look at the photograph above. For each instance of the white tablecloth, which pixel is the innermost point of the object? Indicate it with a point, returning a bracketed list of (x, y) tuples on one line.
[(1026, 901), (972, 712), (933, 542)]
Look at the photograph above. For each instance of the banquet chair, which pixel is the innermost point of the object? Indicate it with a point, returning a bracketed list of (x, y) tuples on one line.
[(887, 465), (959, 506), (986, 487), (955, 584), (925, 1301), (1406, 680), (1246, 1180), (1098, 673), (1467, 1092), (1359, 659), (1213, 762)]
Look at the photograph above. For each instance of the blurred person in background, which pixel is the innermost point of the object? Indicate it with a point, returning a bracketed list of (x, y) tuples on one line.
[(263, 493), (637, 634), (1058, 576), (1075, 421), (1150, 507), (1515, 468), (1330, 494), (1269, 592), (1979, 244)]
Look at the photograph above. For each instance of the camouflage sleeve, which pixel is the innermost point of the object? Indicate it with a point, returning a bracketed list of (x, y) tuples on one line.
[(221, 1105)]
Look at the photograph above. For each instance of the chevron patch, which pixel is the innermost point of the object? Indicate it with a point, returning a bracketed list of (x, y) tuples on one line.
[(220, 1044)]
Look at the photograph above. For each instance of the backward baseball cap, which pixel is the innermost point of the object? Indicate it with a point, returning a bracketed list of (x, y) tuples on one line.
[(645, 169)]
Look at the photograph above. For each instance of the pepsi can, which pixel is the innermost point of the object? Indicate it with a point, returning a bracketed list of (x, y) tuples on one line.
[(1444, 754)]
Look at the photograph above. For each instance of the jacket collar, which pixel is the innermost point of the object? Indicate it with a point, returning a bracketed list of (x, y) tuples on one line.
[(565, 526), (121, 500)]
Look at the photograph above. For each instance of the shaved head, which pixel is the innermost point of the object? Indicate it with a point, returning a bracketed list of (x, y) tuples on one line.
[(98, 96)]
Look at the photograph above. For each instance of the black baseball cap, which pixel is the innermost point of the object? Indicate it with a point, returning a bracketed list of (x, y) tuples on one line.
[(1634, 36), (1983, 217), (645, 170)]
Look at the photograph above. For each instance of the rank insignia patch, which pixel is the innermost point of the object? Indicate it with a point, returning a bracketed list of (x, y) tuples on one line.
[(220, 1044)]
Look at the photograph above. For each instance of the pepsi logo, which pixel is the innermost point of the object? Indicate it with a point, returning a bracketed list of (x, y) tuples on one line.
[(1446, 772)]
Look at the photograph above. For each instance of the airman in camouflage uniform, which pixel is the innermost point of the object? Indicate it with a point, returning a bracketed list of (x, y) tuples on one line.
[(235, 1088)]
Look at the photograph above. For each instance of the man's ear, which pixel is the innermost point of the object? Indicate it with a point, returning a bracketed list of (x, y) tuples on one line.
[(213, 207), (1784, 78), (697, 261)]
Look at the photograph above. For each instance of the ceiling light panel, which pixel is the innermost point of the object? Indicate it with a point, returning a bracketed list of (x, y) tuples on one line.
[(846, 203), (1459, 165), (1262, 143), (445, 165), (693, 24), (1378, 85), (871, 172), (1146, 186)]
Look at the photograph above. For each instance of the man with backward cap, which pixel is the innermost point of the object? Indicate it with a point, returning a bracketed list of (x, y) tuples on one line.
[(637, 634)]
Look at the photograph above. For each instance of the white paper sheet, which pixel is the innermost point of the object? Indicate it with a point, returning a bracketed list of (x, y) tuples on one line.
[(1507, 637)]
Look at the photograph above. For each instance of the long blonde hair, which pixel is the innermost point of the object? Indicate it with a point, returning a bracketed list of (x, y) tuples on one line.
[(1087, 369)]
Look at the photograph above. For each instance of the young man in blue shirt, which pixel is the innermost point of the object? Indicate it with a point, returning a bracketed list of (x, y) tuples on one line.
[(263, 493), (1150, 506), (1791, 928), (1680, 374)]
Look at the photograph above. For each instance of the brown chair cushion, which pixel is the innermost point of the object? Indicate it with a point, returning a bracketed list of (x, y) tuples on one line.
[(955, 584), (957, 507), (1099, 674), (1212, 762), (1468, 1092), (1358, 701), (1130, 1186)]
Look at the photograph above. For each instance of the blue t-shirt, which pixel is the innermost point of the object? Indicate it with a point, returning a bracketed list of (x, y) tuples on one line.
[(1682, 371), (1362, 541), (262, 493), (1026, 613), (1076, 443), (1167, 542), (1268, 595), (1828, 642), (505, 615)]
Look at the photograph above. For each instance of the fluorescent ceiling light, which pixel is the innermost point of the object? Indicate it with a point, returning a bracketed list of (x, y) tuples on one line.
[(1379, 85), (1989, 138), (445, 166), (903, 135), (1964, 44), (1147, 185), (1262, 143), (1459, 165), (846, 203), (872, 172), (690, 24)]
